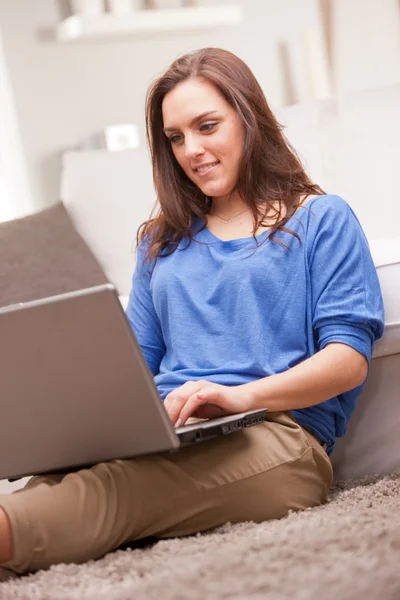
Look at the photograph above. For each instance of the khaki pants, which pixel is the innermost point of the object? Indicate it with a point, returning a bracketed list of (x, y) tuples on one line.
[(256, 474)]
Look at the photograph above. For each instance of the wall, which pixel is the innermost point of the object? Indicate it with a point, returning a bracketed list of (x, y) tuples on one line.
[(64, 93), (366, 44), (13, 175)]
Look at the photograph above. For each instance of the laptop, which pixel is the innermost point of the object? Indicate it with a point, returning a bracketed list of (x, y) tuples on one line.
[(76, 389)]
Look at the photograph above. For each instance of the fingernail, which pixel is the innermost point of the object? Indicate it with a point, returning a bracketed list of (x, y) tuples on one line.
[(178, 423)]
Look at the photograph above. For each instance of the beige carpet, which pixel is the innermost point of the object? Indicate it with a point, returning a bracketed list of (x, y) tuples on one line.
[(346, 549)]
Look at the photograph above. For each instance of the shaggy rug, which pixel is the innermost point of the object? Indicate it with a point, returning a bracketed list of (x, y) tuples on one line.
[(347, 549)]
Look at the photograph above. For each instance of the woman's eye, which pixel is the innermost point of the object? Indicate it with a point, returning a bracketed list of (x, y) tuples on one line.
[(207, 126)]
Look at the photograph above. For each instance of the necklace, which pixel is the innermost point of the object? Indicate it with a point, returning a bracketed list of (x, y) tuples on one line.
[(230, 218)]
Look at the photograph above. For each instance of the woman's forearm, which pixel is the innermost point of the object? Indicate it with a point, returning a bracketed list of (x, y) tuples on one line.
[(332, 371)]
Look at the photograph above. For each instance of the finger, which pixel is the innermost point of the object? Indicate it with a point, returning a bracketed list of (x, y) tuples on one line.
[(189, 408), (177, 398), (174, 405), (187, 389), (200, 398)]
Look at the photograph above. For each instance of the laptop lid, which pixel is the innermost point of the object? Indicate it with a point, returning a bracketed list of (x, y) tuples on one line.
[(75, 387)]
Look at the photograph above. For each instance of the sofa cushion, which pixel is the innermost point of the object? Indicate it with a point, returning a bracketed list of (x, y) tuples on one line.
[(108, 195), (43, 255), (350, 146), (361, 155)]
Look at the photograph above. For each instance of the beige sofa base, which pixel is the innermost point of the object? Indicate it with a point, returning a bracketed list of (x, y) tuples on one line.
[(371, 444)]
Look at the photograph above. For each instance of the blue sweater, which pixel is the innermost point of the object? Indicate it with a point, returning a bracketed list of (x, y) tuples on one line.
[(231, 312)]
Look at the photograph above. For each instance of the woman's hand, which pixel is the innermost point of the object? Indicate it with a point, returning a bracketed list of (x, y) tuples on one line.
[(206, 400)]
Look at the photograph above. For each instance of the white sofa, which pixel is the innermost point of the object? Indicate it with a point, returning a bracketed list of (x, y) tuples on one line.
[(351, 146)]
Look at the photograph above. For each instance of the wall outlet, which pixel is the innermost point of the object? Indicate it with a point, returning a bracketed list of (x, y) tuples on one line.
[(113, 138), (121, 137)]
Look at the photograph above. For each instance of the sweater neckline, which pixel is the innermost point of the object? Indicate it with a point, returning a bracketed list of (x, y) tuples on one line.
[(235, 243), (208, 236)]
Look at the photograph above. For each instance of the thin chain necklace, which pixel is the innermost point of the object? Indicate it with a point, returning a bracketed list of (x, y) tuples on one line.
[(230, 218)]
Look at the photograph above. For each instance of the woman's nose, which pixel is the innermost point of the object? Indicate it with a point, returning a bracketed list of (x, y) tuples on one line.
[(193, 147)]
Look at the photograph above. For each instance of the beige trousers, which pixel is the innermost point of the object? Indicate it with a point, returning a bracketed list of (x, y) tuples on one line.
[(256, 474)]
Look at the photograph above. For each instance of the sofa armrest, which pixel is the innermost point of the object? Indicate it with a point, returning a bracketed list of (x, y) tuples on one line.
[(386, 255)]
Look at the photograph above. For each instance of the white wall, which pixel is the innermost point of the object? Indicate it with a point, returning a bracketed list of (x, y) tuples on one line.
[(15, 195), (366, 44), (64, 93)]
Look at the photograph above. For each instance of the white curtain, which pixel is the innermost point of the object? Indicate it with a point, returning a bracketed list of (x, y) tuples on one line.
[(15, 197)]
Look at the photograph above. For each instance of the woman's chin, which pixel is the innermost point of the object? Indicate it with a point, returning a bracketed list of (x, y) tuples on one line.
[(214, 191)]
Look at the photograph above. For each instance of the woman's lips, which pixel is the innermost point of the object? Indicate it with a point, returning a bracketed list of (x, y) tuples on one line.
[(207, 171)]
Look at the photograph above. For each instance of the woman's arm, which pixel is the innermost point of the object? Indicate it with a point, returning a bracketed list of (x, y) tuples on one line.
[(333, 370)]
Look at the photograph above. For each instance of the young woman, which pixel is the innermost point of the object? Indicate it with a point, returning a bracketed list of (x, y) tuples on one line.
[(253, 288)]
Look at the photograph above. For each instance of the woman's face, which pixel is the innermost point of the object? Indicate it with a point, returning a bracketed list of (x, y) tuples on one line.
[(206, 135)]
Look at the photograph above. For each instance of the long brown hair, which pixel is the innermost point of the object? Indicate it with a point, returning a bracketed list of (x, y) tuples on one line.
[(270, 170)]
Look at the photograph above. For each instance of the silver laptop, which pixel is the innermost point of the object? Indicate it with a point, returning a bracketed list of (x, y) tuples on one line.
[(76, 389)]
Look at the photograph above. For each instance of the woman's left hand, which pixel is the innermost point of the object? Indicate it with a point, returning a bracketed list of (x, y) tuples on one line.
[(205, 400)]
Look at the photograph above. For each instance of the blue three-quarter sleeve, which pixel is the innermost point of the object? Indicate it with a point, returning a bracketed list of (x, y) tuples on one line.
[(142, 315), (346, 299)]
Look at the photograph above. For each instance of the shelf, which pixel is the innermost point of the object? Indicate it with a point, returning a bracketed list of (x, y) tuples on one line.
[(147, 21)]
